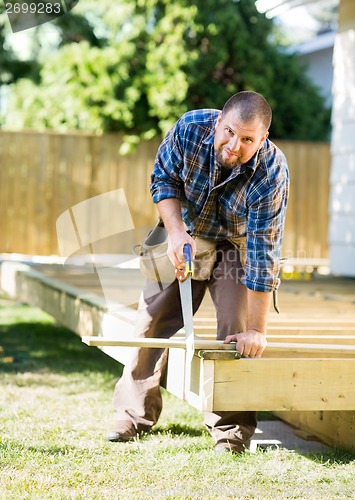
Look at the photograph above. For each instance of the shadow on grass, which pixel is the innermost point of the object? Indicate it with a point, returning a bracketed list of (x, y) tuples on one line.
[(178, 430), (58, 450), (36, 347), (334, 456)]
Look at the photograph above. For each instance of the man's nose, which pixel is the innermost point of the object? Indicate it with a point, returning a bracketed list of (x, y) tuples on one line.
[(234, 143)]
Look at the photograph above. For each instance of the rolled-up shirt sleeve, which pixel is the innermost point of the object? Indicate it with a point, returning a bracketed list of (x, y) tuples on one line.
[(165, 178), (265, 227)]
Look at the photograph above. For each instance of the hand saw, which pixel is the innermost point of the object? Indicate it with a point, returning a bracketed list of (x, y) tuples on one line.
[(186, 302)]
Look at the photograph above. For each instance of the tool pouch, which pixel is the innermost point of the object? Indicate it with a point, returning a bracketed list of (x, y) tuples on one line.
[(156, 265), (153, 258)]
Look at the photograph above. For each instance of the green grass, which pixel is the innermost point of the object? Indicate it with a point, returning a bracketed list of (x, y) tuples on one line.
[(55, 411)]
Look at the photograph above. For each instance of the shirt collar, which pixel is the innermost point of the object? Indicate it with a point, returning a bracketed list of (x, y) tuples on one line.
[(209, 139), (254, 161)]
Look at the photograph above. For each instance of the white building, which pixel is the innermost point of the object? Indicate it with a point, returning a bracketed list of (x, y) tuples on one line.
[(342, 201), (342, 179), (316, 54)]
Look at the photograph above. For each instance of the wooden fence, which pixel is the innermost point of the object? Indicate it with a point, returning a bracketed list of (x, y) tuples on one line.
[(306, 230), (43, 175)]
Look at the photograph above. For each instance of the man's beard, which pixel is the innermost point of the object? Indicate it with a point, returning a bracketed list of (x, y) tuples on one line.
[(223, 163)]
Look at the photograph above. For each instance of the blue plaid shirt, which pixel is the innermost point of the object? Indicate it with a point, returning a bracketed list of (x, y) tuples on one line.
[(250, 203)]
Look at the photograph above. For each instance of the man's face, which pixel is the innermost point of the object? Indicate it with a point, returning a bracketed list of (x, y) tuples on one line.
[(235, 142)]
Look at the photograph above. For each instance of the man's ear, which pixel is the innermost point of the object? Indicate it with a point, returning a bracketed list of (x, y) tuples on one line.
[(264, 139), (219, 118)]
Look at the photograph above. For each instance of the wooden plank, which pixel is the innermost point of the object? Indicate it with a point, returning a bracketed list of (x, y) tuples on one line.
[(290, 348), (15, 187), (315, 339), (306, 353), (301, 338), (32, 194), (156, 343), (207, 386), (199, 384), (315, 331), (52, 189), (294, 323), (193, 382), (175, 379), (284, 384)]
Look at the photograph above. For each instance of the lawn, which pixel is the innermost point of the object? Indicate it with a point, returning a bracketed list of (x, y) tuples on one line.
[(55, 411)]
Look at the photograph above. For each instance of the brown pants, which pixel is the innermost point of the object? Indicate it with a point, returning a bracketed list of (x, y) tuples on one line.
[(137, 398)]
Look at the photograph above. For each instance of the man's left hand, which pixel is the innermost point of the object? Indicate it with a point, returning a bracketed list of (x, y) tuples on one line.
[(250, 343)]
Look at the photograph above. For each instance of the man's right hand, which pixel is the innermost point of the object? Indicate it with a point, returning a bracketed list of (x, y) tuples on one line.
[(176, 241), (170, 212)]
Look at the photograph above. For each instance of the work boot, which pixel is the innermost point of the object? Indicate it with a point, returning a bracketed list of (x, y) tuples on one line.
[(124, 431), (225, 446)]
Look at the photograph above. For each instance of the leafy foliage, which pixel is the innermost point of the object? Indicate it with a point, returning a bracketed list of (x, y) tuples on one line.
[(12, 68), (158, 58)]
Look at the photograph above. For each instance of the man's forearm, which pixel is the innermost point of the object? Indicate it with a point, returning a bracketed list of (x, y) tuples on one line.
[(258, 310), (170, 212)]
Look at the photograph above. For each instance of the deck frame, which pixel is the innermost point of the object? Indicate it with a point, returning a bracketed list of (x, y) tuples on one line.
[(312, 390)]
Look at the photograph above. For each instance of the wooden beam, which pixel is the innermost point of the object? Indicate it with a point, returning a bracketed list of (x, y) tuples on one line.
[(157, 343), (313, 338), (203, 344), (284, 384), (294, 348)]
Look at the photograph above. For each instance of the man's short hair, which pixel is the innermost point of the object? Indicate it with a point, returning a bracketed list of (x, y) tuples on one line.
[(250, 105)]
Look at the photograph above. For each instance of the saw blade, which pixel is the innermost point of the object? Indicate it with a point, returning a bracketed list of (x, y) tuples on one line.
[(187, 315)]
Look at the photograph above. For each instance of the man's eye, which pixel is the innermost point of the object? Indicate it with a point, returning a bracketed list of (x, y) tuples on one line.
[(247, 139), (230, 131)]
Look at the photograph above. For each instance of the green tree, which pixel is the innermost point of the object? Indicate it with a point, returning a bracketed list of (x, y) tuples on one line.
[(159, 58), (71, 28), (11, 67)]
